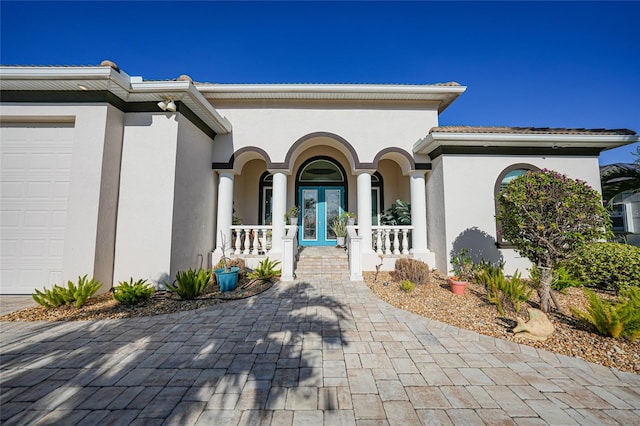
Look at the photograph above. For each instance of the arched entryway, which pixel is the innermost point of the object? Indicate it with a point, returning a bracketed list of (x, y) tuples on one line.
[(321, 194)]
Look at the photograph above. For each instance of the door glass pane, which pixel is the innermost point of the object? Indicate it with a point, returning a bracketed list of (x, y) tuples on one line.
[(309, 214), (332, 204), (267, 196), (375, 202)]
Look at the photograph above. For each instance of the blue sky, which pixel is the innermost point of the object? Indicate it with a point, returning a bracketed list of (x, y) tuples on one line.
[(545, 64)]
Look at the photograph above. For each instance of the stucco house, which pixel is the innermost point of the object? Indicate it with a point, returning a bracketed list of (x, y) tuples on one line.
[(115, 176)]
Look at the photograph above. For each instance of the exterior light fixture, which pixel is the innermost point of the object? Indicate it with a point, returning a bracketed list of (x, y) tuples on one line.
[(167, 105)]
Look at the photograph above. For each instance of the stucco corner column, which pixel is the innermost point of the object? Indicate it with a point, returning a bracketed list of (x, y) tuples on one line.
[(364, 209), (418, 212), (225, 210), (279, 208)]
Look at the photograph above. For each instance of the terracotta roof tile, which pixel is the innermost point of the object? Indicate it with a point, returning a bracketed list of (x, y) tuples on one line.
[(530, 130)]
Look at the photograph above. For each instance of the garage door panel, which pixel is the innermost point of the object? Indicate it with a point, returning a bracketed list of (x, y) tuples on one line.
[(36, 170)]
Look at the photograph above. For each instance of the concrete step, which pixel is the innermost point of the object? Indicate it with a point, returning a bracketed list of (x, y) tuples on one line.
[(322, 262)]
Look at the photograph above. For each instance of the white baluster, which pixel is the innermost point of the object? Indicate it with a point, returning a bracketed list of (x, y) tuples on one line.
[(238, 241), (405, 241), (264, 241), (396, 241), (254, 248), (379, 241), (247, 242), (387, 241)]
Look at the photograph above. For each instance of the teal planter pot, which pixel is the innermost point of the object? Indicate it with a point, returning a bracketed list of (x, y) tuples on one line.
[(227, 281)]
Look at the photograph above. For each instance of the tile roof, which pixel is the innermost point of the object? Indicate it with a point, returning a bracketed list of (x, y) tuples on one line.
[(530, 130)]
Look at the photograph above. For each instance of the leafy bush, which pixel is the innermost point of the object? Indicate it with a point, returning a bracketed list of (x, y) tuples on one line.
[(266, 270), (608, 266), (398, 214), (407, 285), (549, 216), (190, 284), (613, 320), (59, 295), (130, 293), (504, 292), (412, 270)]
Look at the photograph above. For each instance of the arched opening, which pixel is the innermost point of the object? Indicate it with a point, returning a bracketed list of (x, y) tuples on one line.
[(321, 191)]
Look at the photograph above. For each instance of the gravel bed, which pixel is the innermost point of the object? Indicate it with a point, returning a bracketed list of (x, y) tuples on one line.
[(472, 311), (104, 306)]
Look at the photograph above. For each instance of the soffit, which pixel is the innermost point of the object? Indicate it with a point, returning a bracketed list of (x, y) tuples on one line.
[(444, 94), (493, 139)]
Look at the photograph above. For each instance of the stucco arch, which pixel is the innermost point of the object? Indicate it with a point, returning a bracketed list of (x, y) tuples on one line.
[(325, 138), (398, 155), (246, 154)]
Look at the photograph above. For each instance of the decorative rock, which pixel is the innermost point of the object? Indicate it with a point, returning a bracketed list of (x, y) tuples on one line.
[(537, 328)]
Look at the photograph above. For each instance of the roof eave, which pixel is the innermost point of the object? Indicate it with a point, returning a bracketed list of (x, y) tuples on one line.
[(603, 142), (444, 95)]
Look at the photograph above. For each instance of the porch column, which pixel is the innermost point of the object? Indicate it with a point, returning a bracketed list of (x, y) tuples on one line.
[(225, 209), (418, 212), (279, 207), (364, 209)]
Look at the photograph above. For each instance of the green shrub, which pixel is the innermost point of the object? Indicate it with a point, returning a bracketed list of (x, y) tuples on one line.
[(614, 320), (608, 266), (59, 295), (412, 270), (266, 270), (504, 292), (130, 293), (190, 284), (407, 285)]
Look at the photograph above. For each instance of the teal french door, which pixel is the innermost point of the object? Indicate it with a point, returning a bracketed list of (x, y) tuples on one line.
[(319, 206)]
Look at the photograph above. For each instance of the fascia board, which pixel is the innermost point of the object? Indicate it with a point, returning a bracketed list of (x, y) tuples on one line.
[(435, 140), (258, 90)]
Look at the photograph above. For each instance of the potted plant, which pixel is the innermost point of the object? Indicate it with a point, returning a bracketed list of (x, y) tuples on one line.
[(226, 276), (292, 215), (351, 218), (462, 271), (339, 228)]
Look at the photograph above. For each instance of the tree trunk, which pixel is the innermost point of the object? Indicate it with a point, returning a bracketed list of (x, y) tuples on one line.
[(545, 289)]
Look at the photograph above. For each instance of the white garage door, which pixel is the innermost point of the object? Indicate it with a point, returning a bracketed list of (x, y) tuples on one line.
[(35, 174)]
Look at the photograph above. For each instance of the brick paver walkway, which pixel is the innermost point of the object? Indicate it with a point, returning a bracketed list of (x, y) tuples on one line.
[(307, 353)]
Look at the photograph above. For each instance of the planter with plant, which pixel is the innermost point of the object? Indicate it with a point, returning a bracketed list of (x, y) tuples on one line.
[(226, 275), (462, 271), (292, 215), (339, 228)]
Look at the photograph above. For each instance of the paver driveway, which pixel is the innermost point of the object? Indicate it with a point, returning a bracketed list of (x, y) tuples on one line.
[(302, 353)]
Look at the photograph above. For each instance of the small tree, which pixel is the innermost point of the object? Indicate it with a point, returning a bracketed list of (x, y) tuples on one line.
[(547, 216)]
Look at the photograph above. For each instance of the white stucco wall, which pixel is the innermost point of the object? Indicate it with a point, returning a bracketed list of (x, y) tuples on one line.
[(468, 200), (192, 232), (94, 152), (436, 219), (109, 190), (147, 183), (370, 128)]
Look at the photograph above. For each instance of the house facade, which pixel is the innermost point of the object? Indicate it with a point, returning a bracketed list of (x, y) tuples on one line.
[(115, 176)]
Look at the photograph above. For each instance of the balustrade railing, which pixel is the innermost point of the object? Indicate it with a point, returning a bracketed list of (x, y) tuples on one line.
[(391, 239), (251, 239)]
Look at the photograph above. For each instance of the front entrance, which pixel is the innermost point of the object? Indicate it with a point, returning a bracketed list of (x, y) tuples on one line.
[(319, 206)]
